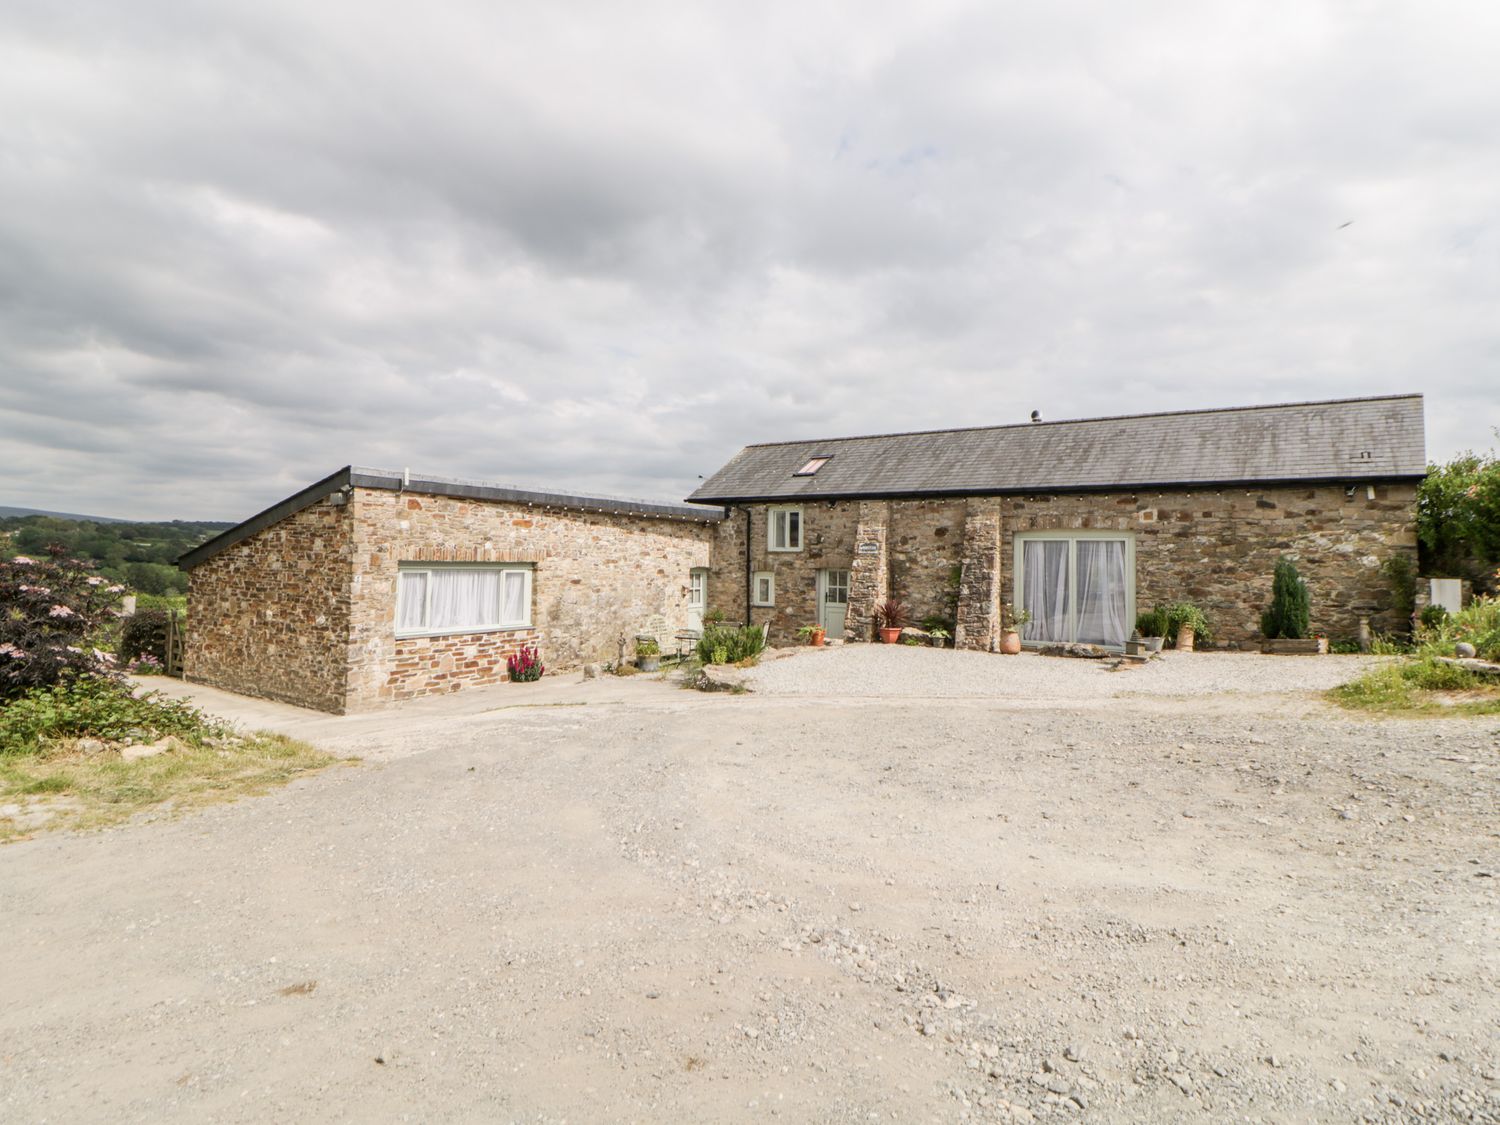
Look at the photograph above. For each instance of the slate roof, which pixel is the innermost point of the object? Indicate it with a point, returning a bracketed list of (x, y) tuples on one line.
[(398, 481), (1347, 440)]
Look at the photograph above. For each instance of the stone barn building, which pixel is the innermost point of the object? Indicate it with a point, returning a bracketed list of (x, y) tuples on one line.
[(372, 587), (1082, 522)]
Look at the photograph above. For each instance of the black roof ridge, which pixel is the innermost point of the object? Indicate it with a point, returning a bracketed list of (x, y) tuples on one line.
[(554, 496), (351, 476), (1081, 421)]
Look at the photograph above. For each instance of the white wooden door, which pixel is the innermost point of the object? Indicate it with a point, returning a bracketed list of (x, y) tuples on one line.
[(697, 597), (833, 601)]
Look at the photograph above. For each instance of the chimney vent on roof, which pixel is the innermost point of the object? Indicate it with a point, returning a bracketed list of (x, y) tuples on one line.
[(1036, 415)]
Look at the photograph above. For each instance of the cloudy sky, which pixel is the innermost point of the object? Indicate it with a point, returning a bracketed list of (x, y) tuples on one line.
[(602, 247)]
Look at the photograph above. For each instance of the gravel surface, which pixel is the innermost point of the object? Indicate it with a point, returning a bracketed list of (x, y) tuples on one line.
[(868, 671), (628, 902)]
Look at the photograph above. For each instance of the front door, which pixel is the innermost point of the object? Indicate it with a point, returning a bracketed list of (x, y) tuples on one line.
[(697, 598), (833, 601)]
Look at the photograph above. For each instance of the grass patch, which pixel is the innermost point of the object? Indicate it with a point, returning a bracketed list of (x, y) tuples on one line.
[(63, 757), (1420, 686), (65, 789)]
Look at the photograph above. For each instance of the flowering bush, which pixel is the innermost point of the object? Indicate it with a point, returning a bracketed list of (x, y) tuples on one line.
[(145, 634), (145, 665), (525, 666), (50, 610)]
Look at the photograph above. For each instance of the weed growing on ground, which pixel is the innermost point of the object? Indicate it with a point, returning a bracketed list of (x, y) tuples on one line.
[(1423, 685)]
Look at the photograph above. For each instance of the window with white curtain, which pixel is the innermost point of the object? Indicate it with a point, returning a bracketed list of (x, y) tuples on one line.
[(461, 599), (1078, 586)]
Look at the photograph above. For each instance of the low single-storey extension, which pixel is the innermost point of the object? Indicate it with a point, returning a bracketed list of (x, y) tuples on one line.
[(1082, 523), (373, 586)]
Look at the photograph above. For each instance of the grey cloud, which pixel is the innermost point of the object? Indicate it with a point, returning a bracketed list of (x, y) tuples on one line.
[(602, 247)]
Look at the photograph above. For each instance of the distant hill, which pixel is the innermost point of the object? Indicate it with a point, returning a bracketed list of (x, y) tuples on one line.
[(5, 511), (139, 555)]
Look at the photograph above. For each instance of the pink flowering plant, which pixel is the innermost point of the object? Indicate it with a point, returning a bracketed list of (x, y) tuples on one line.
[(51, 611), (525, 666)]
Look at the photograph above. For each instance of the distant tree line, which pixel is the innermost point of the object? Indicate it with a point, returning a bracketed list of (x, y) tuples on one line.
[(140, 556)]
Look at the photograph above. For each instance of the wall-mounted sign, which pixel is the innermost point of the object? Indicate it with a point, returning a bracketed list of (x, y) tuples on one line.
[(868, 549)]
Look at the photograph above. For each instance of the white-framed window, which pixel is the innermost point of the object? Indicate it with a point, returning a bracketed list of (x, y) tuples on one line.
[(432, 599), (763, 588), (1078, 586), (784, 529)]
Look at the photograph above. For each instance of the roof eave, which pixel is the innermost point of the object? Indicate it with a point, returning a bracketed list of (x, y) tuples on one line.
[(1033, 490)]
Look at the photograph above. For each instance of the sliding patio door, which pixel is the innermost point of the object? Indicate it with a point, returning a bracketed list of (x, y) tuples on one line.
[(1077, 586)]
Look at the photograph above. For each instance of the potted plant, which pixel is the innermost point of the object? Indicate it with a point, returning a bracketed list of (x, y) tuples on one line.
[(1187, 623), (647, 654), (1152, 627), (938, 637), (1285, 622), (890, 619), (815, 634), (1010, 639)]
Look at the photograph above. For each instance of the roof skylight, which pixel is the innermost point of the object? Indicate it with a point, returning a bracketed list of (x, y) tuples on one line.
[(812, 466)]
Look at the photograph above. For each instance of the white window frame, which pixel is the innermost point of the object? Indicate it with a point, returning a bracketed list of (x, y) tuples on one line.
[(1018, 552), (788, 509), (769, 578), (431, 569)]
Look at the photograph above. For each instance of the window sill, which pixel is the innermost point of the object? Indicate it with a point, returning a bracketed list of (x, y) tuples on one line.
[(472, 631)]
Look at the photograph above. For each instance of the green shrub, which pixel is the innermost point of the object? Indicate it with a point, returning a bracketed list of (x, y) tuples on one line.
[(144, 634), (96, 707), (1478, 623), (1153, 623), (1433, 616), (1287, 616), (1402, 575), (176, 602), (730, 644)]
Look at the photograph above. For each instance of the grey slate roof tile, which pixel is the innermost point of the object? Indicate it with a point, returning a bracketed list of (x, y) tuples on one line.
[(1343, 440)]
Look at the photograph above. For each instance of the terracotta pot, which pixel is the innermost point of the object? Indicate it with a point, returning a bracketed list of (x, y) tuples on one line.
[(890, 636), (816, 637), (1185, 639), (1010, 643)]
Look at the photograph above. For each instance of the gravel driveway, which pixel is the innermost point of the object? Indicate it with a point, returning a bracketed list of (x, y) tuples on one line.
[(906, 671), (623, 901)]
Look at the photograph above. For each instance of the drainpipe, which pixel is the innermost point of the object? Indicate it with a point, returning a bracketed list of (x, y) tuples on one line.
[(749, 571)]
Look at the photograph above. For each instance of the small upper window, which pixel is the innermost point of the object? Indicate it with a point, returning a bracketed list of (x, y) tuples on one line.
[(812, 466), (784, 530)]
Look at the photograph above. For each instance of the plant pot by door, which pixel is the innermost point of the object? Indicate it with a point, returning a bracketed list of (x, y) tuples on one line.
[(1185, 639), (816, 637), (890, 636), (1010, 643), (1153, 644)]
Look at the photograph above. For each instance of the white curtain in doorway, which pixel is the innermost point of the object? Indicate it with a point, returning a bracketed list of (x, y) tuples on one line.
[(1046, 589), (1101, 592)]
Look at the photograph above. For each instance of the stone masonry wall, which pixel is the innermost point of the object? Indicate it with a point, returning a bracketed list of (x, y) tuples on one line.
[(269, 616), (1217, 548), (598, 576), (1213, 547)]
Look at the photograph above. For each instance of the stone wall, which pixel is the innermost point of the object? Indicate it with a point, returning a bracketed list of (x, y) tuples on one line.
[(1216, 548), (269, 616), (598, 576)]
